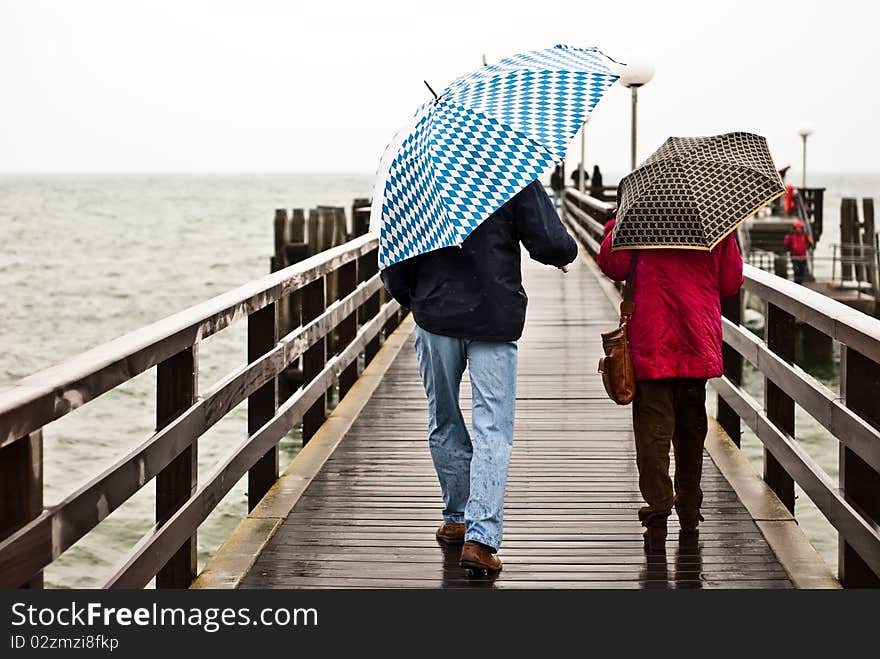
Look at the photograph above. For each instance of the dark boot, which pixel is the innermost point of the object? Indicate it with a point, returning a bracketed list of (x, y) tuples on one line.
[(689, 523), (451, 533), (476, 556), (655, 533)]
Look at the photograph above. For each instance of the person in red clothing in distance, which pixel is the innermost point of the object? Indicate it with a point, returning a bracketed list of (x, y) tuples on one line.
[(797, 243), (675, 336)]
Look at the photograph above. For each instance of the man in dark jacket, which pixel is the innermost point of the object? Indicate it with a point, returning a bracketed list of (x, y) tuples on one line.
[(469, 306)]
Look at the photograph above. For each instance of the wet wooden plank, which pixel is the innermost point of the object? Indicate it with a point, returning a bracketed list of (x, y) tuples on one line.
[(368, 519)]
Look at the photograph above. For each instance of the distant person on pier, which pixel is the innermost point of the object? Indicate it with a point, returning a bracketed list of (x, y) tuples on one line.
[(675, 337), (470, 306), (788, 202), (576, 177), (557, 183), (597, 189), (776, 205), (798, 244)]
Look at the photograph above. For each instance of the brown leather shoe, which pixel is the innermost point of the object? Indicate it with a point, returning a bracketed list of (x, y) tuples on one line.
[(655, 533), (451, 533), (476, 556)]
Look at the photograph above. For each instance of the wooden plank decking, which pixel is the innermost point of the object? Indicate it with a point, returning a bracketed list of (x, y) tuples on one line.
[(368, 518)]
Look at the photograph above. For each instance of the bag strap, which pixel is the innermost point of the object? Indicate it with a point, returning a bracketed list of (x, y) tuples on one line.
[(627, 306)]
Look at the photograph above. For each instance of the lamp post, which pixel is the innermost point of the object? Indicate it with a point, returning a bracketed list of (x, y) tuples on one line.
[(804, 131), (637, 72), (583, 166)]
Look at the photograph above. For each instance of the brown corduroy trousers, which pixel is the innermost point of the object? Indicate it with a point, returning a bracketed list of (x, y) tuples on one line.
[(670, 412)]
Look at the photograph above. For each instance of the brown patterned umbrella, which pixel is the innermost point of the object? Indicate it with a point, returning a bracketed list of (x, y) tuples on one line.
[(693, 191)]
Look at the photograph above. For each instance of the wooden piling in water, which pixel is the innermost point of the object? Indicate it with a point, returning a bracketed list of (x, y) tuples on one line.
[(849, 218), (290, 248), (869, 242), (360, 216)]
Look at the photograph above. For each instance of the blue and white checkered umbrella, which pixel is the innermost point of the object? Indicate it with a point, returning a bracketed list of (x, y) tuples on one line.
[(486, 137)]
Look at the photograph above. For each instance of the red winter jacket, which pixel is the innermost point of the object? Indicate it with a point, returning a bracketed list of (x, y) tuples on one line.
[(797, 244), (675, 331)]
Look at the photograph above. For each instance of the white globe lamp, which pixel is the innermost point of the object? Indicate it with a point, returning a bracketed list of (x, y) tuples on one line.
[(636, 72)]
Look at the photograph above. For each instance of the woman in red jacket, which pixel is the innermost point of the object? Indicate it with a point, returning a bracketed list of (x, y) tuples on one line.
[(797, 243), (675, 334)]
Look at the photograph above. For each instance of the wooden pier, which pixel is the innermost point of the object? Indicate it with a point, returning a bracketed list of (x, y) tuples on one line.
[(367, 519), (359, 504)]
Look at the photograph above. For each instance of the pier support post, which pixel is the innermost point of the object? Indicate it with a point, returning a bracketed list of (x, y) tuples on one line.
[(860, 378), (346, 330), (368, 266), (315, 358), (732, 309), (176, 390), (781, 334), (21, 488), (263, 403)]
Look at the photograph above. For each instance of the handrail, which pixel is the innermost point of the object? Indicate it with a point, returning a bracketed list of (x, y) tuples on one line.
[(842, 323), (46, 396), (814, 397), (169, 453), (586, 216), (596, 208), (160, 543)]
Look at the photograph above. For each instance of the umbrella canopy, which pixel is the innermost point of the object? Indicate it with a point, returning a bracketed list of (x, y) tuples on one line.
[(487, 136), (693, 191)]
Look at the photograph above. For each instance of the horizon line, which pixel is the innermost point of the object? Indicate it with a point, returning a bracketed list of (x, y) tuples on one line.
[(298, 173)]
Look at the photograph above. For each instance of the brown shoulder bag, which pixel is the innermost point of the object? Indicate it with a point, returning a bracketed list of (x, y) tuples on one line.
[(616, 366)]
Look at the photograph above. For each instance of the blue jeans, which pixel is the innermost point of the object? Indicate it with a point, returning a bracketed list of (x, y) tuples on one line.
[(472, 474)]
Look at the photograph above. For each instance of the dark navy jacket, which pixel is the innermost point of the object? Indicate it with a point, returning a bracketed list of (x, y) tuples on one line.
[(475, 291)]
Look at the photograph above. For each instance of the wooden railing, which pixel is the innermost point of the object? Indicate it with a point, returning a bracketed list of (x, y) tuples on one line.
[(587, 217), (852, 505), (34, 536)]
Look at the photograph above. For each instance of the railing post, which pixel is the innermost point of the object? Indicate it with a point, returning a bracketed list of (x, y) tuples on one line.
[(393, 321), (176, 391), (368, 266), (781, 333), (21, 488), (346, 330), (263, 403), (732, 309), (860, 378), (315, 358)]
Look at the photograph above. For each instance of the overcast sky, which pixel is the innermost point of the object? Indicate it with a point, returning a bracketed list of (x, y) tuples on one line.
[(320, 86)]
